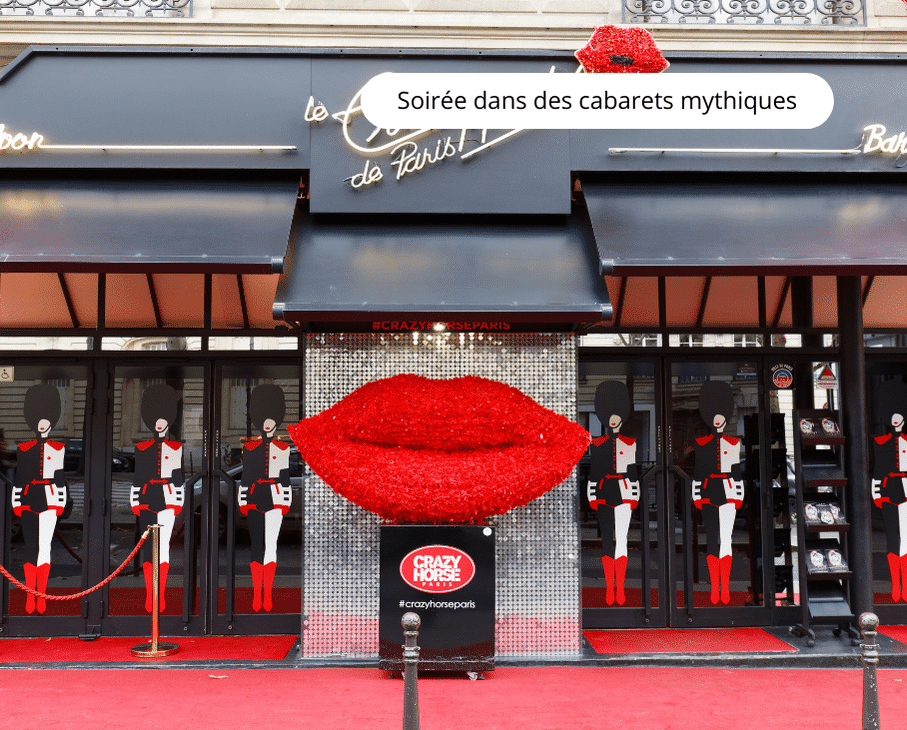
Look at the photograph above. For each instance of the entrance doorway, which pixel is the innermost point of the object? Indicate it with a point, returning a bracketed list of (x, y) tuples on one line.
[(710, 541), (121, 470)]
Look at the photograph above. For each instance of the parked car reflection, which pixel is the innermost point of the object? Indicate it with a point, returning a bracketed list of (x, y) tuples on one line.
[(292, 521), (73, 458)]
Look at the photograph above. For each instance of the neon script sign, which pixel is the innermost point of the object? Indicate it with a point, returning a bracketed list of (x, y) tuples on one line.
[(408, 152), (19, 141), (874, 140)]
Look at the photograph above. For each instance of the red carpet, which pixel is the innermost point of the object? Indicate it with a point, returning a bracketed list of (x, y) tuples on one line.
[(898, 633), (656, 641), (116, 649), (884, 599), (54, 608), (594, 597), (524, 698), (130, 601)]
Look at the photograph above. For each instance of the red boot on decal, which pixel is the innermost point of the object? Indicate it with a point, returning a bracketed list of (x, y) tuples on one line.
[(149, 583), (620, 572), (269, 569), (724, 566), (162, 583), (894, 564), (712, 563), (42, 572), (608, 566), (30, 578), (257, 574), (903, 560)]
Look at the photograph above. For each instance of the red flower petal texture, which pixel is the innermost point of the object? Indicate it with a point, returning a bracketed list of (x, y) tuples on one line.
[(621, 50), (418, 450)]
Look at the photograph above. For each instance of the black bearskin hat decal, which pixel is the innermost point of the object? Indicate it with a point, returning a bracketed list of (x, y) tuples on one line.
[(266, 401), (891, 398), (715, 397), (159, 401), (42, 401), (612, 398)]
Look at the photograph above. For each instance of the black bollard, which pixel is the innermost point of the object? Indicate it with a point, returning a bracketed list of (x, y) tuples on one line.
[(411, 623), (869, 622)]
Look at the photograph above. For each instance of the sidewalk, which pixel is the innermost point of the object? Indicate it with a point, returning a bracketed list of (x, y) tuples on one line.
[(810, 688), (511, 698), (616, 648), (829, 652)]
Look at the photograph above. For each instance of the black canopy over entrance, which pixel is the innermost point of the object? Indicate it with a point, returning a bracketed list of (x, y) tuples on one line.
[(812, 227), (451, 269), (155, 224)]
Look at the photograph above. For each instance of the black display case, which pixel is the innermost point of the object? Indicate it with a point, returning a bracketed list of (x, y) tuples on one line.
[(446, 575), (822, 525)]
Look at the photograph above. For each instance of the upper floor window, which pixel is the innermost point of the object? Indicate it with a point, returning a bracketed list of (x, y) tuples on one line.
[(103, 8), (747, 340), (735, 12), (689, 340)]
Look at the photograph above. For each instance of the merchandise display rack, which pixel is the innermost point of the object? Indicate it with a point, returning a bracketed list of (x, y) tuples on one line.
[(822, 525)]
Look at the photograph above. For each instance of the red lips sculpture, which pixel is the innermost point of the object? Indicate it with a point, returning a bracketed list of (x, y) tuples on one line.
[(417, 450), (621, 50)]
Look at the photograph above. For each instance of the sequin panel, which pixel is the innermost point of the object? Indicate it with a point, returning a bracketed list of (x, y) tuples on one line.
[(538, 590)]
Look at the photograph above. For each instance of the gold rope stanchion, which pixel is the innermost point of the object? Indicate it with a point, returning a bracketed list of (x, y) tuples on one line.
[(155, 649)]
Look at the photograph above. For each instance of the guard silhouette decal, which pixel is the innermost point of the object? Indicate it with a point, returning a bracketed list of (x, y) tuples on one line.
[(39, 491), (613, 488), (889, 479), (717, 484), (265, 495), (157, 489)]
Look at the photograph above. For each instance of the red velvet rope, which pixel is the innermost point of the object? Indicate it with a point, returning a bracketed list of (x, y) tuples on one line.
[(73, 596)]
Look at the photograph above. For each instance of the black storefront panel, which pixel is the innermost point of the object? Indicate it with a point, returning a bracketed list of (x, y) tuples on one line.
[(446, 575), (149, 223)]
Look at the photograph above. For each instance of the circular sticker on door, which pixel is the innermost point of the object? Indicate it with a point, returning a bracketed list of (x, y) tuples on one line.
[(782, 376)]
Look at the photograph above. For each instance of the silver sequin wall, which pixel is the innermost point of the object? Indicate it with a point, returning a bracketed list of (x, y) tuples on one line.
[(538, 591)]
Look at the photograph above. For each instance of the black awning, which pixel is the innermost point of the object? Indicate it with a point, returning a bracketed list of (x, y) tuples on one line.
[(150, 224), (524, 270), (730, 228)]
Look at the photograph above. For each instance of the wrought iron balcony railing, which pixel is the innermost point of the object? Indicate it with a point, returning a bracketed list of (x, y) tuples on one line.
[(746, 12), (104, 8)]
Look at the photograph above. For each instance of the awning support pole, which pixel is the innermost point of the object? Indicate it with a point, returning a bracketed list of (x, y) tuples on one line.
[(853, 409)]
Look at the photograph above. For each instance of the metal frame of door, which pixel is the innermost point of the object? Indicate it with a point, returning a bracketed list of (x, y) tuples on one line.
[(198, 539), (231, 622), (99, 620), (669, 480), (40, 625), (879, 366), (649, 614), (690, 615)]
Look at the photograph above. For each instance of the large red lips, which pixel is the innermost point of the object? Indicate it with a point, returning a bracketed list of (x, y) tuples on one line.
[(413, 449)]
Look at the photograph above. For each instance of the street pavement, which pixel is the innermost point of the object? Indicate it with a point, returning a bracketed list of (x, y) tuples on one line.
[(510, 698)]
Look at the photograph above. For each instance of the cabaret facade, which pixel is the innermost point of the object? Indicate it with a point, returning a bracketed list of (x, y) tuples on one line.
[(247, 247)]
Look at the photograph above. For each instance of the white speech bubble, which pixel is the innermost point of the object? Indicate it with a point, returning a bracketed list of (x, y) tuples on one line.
[(597, 101)]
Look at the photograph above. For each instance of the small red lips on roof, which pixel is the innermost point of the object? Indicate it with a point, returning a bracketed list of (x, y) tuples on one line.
[(621, 50), (418, 450)]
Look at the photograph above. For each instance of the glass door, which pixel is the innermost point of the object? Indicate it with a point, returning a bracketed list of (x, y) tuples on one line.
[(259, 498), (158, 429), (887, 405), (42, 487), (621, 484), (707, 536), (722, 493)]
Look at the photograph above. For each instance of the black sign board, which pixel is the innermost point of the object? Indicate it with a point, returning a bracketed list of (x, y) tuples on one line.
[(445, 574)]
